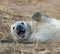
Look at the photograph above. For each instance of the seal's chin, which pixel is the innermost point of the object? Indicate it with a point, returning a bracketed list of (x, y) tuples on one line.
[(21, 33)]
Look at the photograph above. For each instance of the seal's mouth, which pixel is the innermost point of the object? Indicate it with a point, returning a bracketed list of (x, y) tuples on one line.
[(21, 33)]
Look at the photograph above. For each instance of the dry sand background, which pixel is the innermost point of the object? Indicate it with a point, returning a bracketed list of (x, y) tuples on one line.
[(13, 10)]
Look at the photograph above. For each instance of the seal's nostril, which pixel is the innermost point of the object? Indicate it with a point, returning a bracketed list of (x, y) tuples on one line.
[(22, 23), (19, 27)]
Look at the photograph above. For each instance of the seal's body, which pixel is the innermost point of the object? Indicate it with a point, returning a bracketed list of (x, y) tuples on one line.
[(41, 28)]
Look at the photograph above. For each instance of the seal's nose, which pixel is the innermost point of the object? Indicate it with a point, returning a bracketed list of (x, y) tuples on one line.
[(19, 27)]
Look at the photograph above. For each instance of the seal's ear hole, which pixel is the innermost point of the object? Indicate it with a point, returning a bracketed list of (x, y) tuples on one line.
[(37, 16), (22, 23), (13, 28)]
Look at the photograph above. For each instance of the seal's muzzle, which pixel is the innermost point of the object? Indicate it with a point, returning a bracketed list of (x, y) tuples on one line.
[(21, 31)]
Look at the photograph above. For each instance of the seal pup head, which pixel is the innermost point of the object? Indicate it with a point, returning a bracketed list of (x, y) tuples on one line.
[(20, 30)]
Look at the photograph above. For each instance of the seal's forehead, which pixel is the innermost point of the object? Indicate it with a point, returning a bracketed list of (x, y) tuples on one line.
[(18, 23)]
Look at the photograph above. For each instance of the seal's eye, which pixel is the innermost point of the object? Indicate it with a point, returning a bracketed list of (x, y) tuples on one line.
[(22, 23), (13, 27)]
